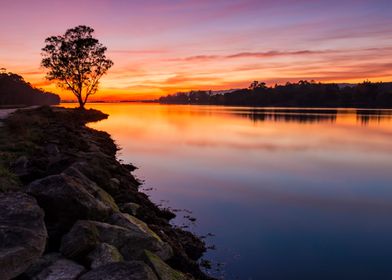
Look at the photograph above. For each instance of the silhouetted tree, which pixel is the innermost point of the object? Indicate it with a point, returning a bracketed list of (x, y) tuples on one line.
[(76, 61), (257, 85)]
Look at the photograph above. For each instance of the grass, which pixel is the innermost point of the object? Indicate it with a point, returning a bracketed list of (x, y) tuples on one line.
[(26, 132), (18, 137), (8, 180)]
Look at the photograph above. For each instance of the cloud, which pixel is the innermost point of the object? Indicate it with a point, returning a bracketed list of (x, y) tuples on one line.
[(31, 73), (200, 58), (190, 79), (266, 54), (139, 52), (43, 83), (286, 53), (276, 53)]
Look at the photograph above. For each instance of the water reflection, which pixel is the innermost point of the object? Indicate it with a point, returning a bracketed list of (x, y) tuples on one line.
[(376, 116), (294, 115), (289, 193), (302, 115)]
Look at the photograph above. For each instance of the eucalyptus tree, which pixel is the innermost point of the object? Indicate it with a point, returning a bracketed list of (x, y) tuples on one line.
[(76, 61)]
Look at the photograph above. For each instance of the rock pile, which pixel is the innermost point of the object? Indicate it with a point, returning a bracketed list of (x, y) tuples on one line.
[(78, 214)]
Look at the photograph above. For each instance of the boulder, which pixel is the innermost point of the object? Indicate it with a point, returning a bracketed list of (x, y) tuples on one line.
[(131, 241), (81, 240), (104, 254), (22, 233), (115, 181), (98, 170), (128, 166), (69, 197), (52, 149), (21, 166), (161, 269), (61, 269), (39, 265), (148, 238), (93, 188), (121, 271), (130, 208)]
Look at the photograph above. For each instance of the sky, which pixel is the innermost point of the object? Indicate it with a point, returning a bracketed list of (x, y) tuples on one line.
[(166, 46)]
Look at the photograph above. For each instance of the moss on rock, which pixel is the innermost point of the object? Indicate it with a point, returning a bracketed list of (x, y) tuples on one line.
[(161, 269)]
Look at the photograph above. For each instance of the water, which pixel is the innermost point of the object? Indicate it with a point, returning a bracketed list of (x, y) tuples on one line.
[(288, 193)]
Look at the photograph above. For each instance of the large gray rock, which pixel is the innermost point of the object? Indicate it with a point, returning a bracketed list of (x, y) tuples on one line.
[(52, 149), (104, 254), (61, 269), (92, 188), (21, 166), (69, 197), (81, 240), (131, 242), (39, 265), (22, 233), (130, 208), (140, 229), (163, 270), (101, 169), (121, 271)]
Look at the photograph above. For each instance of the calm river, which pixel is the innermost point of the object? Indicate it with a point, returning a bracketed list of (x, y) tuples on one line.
[(287, 193)]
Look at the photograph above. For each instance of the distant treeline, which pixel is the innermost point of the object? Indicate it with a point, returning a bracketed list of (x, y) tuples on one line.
[(301, 94), (14, 90)]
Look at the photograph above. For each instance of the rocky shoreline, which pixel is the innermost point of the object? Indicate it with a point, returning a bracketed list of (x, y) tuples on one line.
[(70, 210)]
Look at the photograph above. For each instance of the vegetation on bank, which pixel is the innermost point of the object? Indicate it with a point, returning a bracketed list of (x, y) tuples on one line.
[(301, 94), (14, 90), (23, 135)]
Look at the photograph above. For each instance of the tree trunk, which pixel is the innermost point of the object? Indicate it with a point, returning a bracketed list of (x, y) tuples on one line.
[(81, 103)]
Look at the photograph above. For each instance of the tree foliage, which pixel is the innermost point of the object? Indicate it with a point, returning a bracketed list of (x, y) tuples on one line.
[(77, 61), (14, 90), (301, 94)]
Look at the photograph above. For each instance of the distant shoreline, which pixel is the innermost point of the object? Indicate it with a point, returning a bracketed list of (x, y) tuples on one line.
[(236, 106), (303, 94)]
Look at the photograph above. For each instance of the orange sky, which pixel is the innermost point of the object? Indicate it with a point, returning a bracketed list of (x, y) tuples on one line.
[(162, 47)]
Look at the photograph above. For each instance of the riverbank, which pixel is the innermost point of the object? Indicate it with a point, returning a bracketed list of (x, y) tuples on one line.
[(68, 207)]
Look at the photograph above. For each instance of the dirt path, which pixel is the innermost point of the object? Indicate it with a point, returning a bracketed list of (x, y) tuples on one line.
[(5, 112)]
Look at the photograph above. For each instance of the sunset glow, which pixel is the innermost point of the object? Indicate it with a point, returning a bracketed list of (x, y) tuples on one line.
[(161, 47)]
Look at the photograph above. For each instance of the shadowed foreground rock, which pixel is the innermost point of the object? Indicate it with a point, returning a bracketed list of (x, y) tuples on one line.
[(86, 235), (22, 233), (104, 254), (61, 269), (161, 269), (67, 180), (69, 198), (121, 271)]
